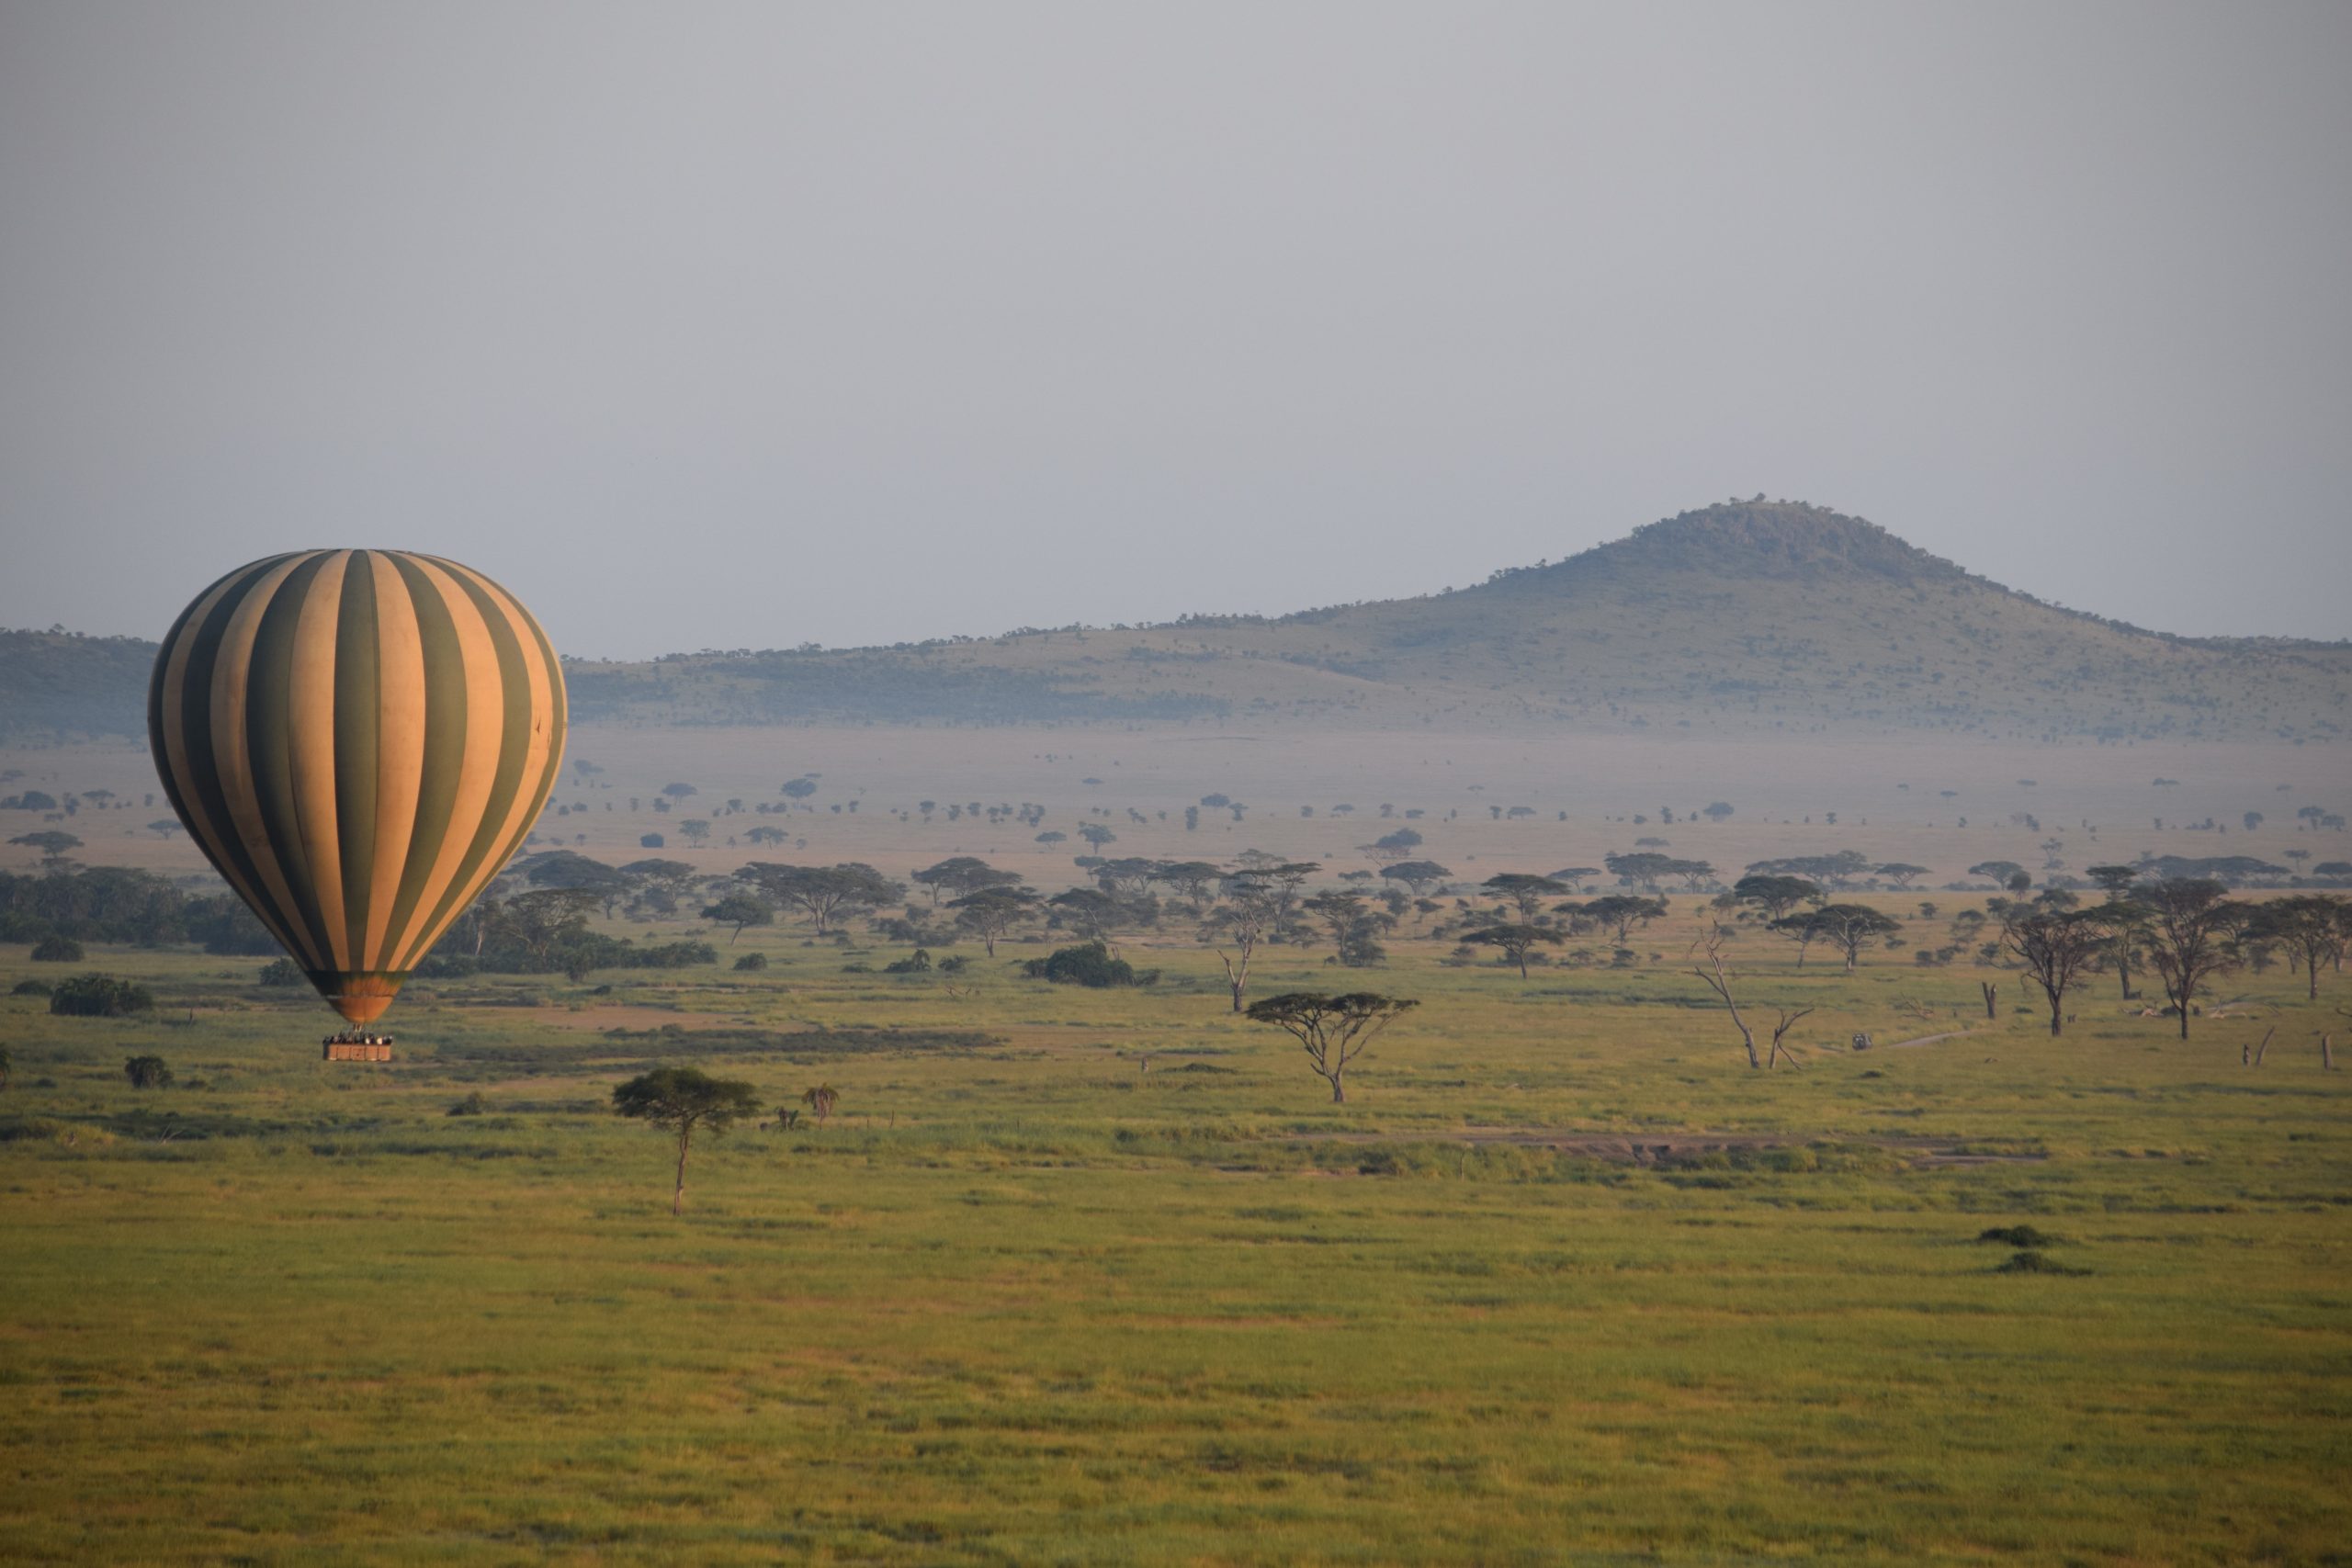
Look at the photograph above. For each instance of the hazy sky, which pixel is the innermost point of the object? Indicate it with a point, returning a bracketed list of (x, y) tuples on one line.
[(719, 326)]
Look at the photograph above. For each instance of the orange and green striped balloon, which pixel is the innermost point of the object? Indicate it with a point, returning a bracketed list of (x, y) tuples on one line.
[(358, 740)]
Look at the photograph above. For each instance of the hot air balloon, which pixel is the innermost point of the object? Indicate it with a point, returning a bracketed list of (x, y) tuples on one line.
[(358, 740)]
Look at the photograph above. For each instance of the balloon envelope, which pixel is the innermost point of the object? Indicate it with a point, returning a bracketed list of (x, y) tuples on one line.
[(358, 740)]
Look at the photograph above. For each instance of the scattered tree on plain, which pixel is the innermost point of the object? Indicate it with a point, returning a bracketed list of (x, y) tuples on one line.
[(683, 1100), (1515, 940), (2057, 947), (1845, 926), (1333, 1029), (991, 912), (738, 911), (1618, 913), (2315, 926), (2192, 936), (1522, 890)]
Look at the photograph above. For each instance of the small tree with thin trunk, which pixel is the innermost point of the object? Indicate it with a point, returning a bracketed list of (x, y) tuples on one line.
[(2192, 936), (683, 1100), (820, 1100), (1515, 940), (2057, 947), (739, 909), (1527, 892), (992, 911), (1333, 1029), (1619, 913), (1252, 910), (1845, 926), (1776, 895), (2314, 925)]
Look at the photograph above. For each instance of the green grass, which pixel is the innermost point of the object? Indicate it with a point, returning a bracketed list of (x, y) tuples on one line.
[(1025, 1302)]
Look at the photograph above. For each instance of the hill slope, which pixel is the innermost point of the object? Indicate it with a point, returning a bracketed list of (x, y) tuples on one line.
[(1742, 617)]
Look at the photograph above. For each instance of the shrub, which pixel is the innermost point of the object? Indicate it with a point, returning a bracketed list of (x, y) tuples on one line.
[(2017, 1236), (57, 950), (1090, 964), (281, 972), (147, 1072), (99, 996), (2032, 1262), (30, 988), (752, 961), (651, 841), (470, 1106)]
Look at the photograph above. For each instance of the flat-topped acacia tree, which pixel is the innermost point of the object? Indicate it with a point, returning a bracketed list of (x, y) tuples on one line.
[(1516, 940), (685, 1101), (1335, 1030)]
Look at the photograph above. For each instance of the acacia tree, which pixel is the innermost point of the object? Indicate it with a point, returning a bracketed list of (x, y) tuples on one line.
[(683, 1100), (1356, 927), (829, 894), (1516, 940), (1845, 926), (1096, 915), (961, 876), (739, 909), (52, 843), (2192, 935), (1417, 875), (1333, 1029), (1522, 890), (2125, 919), (2057, 947), (992, 911), (1775, 895), (1252, 910), (568, 868), (1645, 866), (1618, 913), (1192, 879), (2314, 924), (1718, 978)]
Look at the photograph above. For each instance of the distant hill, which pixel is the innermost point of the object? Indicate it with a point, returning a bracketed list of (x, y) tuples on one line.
[(59, 682), (1745, 617)]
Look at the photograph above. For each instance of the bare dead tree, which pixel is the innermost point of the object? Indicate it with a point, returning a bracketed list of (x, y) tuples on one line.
[(1992, 996), (1788, 1021), (1710, 969)]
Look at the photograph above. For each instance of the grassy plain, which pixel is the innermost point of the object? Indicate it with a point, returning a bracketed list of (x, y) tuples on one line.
[(1563, 1280)]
